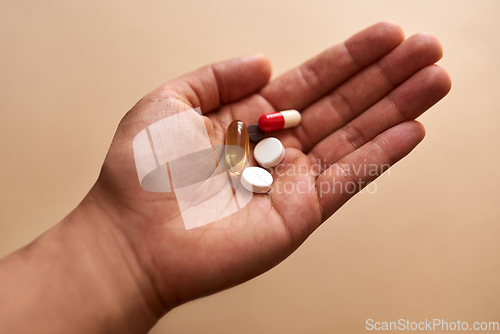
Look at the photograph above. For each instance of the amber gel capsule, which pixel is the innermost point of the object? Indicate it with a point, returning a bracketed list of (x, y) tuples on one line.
[(237, 147)]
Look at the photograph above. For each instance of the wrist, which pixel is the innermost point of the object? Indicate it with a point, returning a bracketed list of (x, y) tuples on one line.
[(85, 276), (108, 265)]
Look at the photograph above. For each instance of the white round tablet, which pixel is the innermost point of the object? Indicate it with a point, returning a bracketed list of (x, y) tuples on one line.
[(269, 152), (256, 179)]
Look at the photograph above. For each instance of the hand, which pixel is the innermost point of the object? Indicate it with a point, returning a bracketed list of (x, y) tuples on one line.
[(358, 100), (118, 262)]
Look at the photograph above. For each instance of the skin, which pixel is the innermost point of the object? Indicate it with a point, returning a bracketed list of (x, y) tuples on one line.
[(119, 262)]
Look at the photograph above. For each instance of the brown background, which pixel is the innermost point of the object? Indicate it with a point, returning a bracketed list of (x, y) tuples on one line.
[(425, 245)]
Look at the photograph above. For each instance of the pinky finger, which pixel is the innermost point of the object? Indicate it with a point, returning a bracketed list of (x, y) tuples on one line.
[(337, 184)]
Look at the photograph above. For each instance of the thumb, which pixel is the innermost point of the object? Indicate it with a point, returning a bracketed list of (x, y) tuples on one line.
[(214, 85)]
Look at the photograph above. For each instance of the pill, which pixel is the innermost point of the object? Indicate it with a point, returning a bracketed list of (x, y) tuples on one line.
[(256, 179), (236, 147), (279, 120), (255, 133), (269, 152)]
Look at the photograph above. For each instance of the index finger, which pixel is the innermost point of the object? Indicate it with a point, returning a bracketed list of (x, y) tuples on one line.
[(321, 74)]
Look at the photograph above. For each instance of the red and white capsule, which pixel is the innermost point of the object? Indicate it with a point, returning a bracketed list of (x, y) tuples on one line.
[(279, 120)]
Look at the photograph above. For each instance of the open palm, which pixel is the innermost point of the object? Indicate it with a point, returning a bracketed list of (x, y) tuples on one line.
[(358, 102)]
